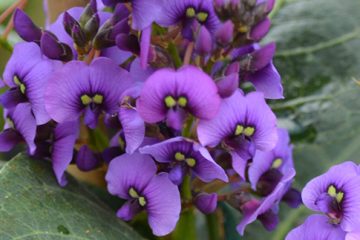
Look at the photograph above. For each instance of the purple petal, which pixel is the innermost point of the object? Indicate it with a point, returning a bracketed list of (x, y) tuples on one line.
[(206, 203), (25, 124), (260, 116), (128, 210), (12, 97), (224, 34), (133, 126), (207, 169), (260, 30), (9, 138), (117, 55), (212, 132), (145, 12), (145, 43), (25, 27), (65, 135), (202, 98), (128, 171), (163, 204), (268, 81), (269, 202), (228, 85), (292, 198), (263, 56), (204, 42), (316, 227), (138, 74), (352, 236)]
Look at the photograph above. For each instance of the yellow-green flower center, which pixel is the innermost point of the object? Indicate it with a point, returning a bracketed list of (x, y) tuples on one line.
[(277, 163), (134, 194), (20, 85), (179, 156), (333, 192), (97, 99), (247, 131), (171, 102), (202, 16), (190, 12)]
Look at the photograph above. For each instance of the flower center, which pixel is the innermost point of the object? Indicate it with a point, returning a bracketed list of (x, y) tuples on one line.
[(246, 130), (336, 194), (179, 156), (201, 16), (134, 194), (190, 12), (21, 85), (277, 163), (97, 99), (171, 102)]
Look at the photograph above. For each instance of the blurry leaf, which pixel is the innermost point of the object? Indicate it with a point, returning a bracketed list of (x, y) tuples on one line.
[(318, 55), (33, 206), (231, 220)]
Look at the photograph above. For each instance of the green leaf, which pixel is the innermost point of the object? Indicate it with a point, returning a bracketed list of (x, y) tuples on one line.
[(33, 206)]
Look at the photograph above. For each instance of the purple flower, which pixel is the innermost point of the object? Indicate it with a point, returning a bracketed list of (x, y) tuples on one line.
[(243, 124), (169, 94), (265, 209), (20, 126), (206, 202), (189, 13), (133, 177), (336, 193), (279, 158), (183, 154), (89, 89), (26, 74), (257, 68)]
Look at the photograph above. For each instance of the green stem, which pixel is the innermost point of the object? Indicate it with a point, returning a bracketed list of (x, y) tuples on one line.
[(213, 226), (186, 227)]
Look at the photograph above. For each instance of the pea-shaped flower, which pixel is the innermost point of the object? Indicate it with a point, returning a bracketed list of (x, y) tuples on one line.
[(78, 88), (133, 177), (168, 95)]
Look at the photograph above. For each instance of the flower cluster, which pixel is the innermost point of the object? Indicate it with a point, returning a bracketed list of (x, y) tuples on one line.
[(336, 195), (175, 92)]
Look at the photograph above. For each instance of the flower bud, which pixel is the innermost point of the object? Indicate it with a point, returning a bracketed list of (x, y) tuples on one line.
[(86, 159), (121, 12), (260, 30), (78, 36), (92, 27), (292, 198), (69, 22), (204, 42), (88, 12), (206, 203), (228, 85), (128, 43), (224, 34), (53, 49), (25, 27)]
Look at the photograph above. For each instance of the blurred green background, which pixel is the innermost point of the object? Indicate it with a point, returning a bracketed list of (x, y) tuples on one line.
[(318, 56)]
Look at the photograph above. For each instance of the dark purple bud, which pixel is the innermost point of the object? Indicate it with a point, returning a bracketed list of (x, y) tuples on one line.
[(260, 30), (78, 36), (25, 27), (269, 220), (224, 34), (128, 43), (206, 203), (86, 159), (292, 198), (92, 26), (121, 12), (88, 12), (204, 42), (69, 22), (120, 27), (228, 85), (53, 49), (268, 181)]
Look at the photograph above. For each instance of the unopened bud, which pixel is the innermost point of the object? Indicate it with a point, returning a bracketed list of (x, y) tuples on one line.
[(25, 27)]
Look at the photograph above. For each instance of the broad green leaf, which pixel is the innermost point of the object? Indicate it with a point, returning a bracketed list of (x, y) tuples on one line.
[(33, 206)]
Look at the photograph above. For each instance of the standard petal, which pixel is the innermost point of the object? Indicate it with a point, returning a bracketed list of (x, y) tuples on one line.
[(128, 171), (145, 12), (316, 227), (163, 204), (232, 111), (207, 169)]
